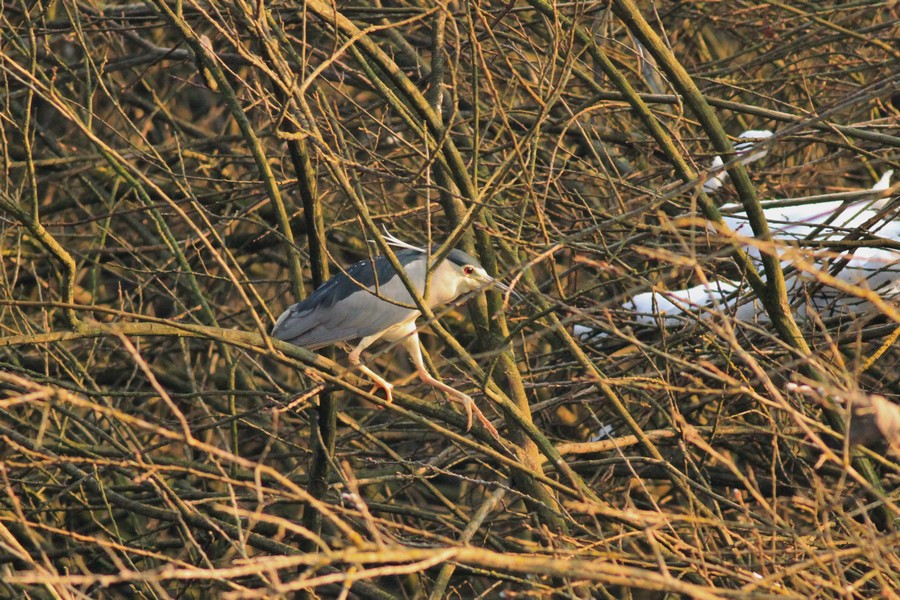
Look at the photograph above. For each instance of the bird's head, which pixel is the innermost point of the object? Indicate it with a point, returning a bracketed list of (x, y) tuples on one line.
[(461, 273), (458, 274)]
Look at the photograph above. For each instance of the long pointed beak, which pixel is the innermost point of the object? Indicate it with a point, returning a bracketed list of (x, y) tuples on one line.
[(505, 288)]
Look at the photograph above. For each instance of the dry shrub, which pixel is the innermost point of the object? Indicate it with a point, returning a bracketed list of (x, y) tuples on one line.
[(175, 174)]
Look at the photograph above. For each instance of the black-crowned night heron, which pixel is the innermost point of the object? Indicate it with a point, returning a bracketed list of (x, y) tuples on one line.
[(370, 301)]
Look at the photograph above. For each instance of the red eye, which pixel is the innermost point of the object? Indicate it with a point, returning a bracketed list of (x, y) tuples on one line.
[(468, 270)]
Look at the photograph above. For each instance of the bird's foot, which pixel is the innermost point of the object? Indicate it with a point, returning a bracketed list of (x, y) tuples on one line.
[(471, 407), (378, 381), (458, 396), (487, 423), (468, 404), (388, 392)]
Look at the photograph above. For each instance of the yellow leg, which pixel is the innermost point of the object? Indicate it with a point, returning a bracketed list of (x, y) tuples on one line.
[(357, 362), (411, 343)]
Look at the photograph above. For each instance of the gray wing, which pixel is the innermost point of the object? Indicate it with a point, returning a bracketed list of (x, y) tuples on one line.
[(358, 315), (343, 309)]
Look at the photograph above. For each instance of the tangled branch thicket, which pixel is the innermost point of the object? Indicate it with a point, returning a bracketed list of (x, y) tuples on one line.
[(175, 174)]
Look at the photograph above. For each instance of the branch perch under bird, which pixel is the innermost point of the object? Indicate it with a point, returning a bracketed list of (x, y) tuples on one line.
[(369, 302)]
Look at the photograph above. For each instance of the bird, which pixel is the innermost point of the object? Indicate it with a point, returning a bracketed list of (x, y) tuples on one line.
[(368, 301), (874, 268)]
